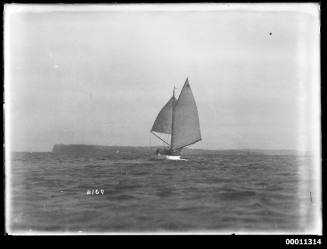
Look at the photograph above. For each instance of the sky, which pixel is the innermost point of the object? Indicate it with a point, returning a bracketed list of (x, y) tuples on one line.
[(100, 74)]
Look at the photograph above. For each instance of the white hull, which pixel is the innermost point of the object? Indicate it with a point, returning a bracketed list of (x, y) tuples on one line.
[(169, 157)]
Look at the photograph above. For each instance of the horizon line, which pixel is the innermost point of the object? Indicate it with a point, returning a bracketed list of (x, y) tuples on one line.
[(153, 146)]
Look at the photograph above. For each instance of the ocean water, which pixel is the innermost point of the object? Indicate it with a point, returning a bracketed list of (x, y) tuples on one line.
[(220, 193)]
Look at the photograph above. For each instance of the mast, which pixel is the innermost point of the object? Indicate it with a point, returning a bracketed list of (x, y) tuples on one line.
[(172, 120)]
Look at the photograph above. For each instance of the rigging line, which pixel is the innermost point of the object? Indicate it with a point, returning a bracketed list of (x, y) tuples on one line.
[(160, 138), (188, 144), (172, 119)]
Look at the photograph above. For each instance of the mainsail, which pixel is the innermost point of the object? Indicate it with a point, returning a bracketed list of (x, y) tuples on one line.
[(186, 125)]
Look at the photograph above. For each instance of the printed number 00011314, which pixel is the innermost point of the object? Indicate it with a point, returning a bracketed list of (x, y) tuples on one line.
[(303, 241)]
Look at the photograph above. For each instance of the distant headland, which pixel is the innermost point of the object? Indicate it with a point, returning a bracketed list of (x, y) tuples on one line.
[(90, 149)]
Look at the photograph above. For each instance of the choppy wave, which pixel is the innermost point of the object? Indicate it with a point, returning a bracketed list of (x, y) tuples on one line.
[(214, 193)]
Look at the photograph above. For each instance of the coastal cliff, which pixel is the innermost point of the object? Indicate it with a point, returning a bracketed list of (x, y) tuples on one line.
[(83, 148), (100, 149)]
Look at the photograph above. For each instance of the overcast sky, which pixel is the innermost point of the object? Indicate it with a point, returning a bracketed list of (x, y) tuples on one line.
[(101, 75)]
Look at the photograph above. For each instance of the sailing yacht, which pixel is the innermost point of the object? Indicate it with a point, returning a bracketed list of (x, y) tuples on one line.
[(178, 118)]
